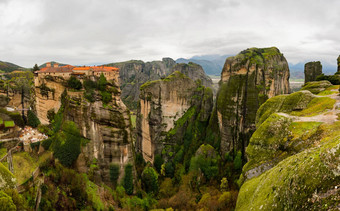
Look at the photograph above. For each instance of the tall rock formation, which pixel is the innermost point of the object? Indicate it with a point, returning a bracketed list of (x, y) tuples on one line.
[(247, 80), (106, 125), (135, 73), (162, 102), (312, 70), (195, 72)]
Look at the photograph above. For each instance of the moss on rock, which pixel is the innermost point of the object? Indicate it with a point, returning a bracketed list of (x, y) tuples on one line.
[(316, 86)]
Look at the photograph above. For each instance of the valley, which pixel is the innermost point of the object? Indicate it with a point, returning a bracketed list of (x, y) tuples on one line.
[(163, 135)]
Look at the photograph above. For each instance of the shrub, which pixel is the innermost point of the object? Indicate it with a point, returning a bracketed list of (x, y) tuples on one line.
[(114, 173), (128, 179), (33, 120), (150, 180), (74, 83), (169, 169)]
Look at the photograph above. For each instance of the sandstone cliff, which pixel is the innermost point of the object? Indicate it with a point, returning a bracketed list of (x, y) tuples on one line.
[(294, 154), (312, 70), (106, 125), (247, 80), (162, 102), (133, 74), (195, 72)]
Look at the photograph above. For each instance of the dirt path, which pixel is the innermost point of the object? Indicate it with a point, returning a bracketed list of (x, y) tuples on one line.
[(326, 117)]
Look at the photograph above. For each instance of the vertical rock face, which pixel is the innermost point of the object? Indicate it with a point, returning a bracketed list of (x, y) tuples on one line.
[(162, 102), (312, 70), (195, 72), (107, 126), (135, 73), (247, 80)]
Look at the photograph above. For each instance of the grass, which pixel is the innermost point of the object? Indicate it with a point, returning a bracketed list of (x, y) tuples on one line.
[(316, 106), (1, 121), (9, 124), (133, 120), (3, 152), (24, 164), (92, 191)]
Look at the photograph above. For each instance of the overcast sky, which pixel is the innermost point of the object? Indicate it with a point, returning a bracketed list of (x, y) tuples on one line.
[(92, 31)]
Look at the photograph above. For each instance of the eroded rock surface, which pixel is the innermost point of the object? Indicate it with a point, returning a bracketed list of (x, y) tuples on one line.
[(312, 70)]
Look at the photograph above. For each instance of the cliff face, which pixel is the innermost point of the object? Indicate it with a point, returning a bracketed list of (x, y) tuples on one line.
[(107, 126), (195, 72), (294, 154), (247, 80), (162, 102), (134, 73), (312, 70)]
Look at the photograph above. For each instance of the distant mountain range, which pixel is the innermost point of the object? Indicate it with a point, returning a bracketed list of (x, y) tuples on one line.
[(213, 64), (8, 67), (52, 63)]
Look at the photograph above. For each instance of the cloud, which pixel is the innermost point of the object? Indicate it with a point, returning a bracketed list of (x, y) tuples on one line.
[(90, 31)]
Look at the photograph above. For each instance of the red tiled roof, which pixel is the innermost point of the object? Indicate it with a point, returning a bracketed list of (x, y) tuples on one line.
[(70, 68)]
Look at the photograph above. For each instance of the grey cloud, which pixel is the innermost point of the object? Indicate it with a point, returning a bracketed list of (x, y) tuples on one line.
[(89, 31)]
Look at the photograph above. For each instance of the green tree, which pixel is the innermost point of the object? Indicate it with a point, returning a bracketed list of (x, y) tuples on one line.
[(33, 120), (128, 179), (66, 144), (158, 163), (150, 180), (74, 83), (114, 173), (238, 161), (102, 82), (50, 115), (6, 202), (35, 68)]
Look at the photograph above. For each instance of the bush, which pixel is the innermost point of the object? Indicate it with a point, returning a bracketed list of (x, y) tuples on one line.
[(33, 120), (114, 173), (334, 79), (74, 83), (150, 180), (128, 179), (169, 169), (158, 163)]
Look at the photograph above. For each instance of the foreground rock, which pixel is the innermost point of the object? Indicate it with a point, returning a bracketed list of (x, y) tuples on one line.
[(247, 81), (312, 70), (293, 155)]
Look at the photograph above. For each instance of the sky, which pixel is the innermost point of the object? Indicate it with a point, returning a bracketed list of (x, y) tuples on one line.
[(81, 32)]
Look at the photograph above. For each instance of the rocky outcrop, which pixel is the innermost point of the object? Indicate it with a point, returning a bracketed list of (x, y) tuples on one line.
[(316, 86), (135, 73), (312, 70), (106, 126), (162, 102), (195, 72), (295, 134), (247, 80)]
